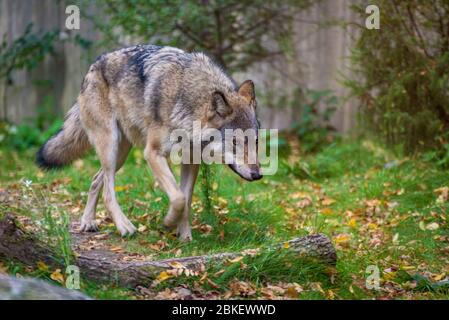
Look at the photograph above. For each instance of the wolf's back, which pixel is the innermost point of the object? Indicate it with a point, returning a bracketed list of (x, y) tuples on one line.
[(69, 144)]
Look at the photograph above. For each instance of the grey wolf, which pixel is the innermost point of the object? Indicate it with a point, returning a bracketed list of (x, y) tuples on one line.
[(135, 97)]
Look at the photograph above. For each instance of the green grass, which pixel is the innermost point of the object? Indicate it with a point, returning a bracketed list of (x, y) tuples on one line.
[(379, 210)]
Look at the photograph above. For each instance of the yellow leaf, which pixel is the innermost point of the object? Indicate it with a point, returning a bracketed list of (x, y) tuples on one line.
[(121, 188), (203, 277), (286, 245), (57, 276), (327, 211), (235, 260), (163, 276), (222, 202), (214, 186), (42, 266), (352, 223), (408, 268), (388, 275), (438, 277), (3, 268), (176, 265), (341, 238), (372, 226)]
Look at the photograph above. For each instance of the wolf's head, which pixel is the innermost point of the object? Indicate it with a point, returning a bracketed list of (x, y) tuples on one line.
[(234, 114)]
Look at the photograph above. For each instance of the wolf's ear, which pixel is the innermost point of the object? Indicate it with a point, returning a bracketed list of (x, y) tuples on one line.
[(220, 105), (246, 90)]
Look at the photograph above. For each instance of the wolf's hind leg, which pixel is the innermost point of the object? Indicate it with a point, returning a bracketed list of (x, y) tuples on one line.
[(88, 222), (106, 140), (189, 172), (161, 171)]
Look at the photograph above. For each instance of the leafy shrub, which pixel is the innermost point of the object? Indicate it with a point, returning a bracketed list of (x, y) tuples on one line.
[(313, 128), (33, 132), (24, 136), (401, 74)]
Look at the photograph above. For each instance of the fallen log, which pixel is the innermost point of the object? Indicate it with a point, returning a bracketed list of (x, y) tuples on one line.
[(106, 266)]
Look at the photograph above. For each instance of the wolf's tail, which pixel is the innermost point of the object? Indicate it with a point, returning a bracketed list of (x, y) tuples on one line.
[(67, 145)]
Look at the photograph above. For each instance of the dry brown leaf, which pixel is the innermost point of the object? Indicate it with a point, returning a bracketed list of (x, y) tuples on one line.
[(327, 201), (235, 260), (57, 276)]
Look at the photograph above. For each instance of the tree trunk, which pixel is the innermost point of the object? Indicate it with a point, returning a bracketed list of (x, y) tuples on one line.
[(107, 266)]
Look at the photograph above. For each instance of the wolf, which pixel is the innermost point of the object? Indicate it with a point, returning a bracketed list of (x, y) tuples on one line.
[(137, 96)]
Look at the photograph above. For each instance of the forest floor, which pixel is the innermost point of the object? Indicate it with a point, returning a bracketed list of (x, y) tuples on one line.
[(382, 213)]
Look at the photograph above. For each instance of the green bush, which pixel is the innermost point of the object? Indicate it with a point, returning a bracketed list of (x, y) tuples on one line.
[(401, 74), (24, 136), (313, 128)]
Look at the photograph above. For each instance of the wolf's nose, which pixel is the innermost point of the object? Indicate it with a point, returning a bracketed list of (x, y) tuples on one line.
[(256, 176)]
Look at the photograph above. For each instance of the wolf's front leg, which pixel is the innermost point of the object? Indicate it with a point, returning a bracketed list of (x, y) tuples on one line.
[(189, 172), (162, 173)]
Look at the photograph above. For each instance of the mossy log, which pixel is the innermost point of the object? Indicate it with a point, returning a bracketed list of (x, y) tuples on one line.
[(108, 266)]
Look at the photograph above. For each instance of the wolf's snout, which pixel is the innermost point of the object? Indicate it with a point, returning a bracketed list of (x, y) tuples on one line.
[(255, 175)]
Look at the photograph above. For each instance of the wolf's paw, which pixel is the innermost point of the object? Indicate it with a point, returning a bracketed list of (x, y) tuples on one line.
[(184, 233), (125, 227), (185, 237), (172, 218), (88, 225)]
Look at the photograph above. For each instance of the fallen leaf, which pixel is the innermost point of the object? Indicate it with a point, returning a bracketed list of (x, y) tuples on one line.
[(341, 238), (304, 202), (432, 226), (122, 188), (372, 203), (57, 276), (116, 249), (176, 265), (422, 225), (163, 276), (327, 211), (205, 228), (142, 228), (327, 202), (212, 284), (235, 260), (251, 252), (42, 266), (352, 223), (372, 226)]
